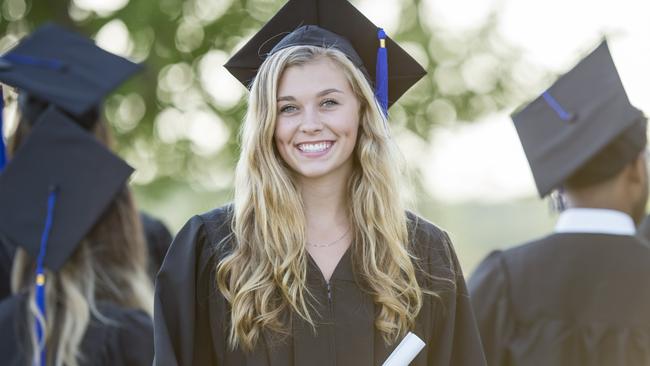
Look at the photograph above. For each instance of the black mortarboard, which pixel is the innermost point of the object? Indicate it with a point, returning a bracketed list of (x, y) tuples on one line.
[(58, 156), (330, 23), (63, 68), (583, 115)]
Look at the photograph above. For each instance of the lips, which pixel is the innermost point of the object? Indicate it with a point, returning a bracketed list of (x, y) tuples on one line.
[(315, 146)]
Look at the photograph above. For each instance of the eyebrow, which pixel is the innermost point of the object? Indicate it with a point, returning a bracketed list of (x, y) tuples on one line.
[(320, 94)]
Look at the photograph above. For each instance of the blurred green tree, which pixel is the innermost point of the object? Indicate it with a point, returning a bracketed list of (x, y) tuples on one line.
[(177, 122)]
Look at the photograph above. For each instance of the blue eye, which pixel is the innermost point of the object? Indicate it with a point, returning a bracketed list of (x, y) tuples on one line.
[(288, 108), (329, 103)]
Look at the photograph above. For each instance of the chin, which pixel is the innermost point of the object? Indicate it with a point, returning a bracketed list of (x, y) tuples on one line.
[(313, 173)]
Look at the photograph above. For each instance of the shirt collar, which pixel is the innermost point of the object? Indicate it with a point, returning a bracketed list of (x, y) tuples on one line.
[(595, 221)]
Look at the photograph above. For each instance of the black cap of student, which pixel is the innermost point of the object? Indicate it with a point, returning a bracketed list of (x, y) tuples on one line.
[(583, 129), (58, 154), (327, 23), (56, 66)]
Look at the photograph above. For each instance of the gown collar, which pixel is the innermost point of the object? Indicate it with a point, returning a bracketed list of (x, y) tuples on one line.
[(595, 221), (343, 270)]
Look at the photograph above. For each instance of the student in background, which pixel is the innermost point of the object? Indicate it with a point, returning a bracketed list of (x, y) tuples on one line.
[(81, 294), (95, 295), (75, 75), (579, 296)]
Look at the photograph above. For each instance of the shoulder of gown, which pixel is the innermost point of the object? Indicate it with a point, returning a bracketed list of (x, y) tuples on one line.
[(644, 229), (455, 338), (158, 238), (587, 309), (126, 339), (7, 254), (490, 295), (136, 338), (181, 290)]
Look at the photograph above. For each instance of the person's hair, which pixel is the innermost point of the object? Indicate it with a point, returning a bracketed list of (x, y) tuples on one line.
[(612, 159), (264, 276), (109, 265)]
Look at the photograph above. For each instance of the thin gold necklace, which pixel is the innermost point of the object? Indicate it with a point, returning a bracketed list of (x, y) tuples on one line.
[(330, 243)]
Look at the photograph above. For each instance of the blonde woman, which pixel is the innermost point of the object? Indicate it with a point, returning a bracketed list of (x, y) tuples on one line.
[(316, 262), (90, 268)]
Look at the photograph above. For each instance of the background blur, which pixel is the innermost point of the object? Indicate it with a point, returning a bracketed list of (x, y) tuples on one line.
[(177, 122)]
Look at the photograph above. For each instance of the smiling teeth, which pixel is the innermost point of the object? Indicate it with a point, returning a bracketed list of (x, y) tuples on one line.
[(321, 146)]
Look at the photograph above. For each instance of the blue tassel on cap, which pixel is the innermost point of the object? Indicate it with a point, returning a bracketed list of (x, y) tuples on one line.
[(40, 273), (381, 82), (45, 63), (557, 107)]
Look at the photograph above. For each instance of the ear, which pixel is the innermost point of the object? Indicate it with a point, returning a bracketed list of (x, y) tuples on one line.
[(636, 170)]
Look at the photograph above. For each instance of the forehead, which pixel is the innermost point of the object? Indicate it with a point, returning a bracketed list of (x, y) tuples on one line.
[(312, 77)]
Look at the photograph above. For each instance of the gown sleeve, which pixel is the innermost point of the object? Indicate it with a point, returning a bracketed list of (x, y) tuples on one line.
[(181, 324), (488, 288), (458, 341)]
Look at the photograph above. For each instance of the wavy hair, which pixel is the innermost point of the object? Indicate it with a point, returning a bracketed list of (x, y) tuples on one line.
[(264, 276), (109, 265)]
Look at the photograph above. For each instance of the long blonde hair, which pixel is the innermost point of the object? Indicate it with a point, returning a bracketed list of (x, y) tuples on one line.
[(264, 276), (109, 265)]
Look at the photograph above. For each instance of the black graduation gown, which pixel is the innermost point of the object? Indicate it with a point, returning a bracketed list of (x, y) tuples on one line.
[(191, 316), (127, 341), (566, 299), (644, 229), (158, 241), (6, 261)]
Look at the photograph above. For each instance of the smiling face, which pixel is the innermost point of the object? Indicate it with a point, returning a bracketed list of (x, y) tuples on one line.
[(317, 120)]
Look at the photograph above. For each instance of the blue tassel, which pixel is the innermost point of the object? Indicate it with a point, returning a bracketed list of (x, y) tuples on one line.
[(3, 151), (40, 272), (44, 63), (381, 82), (557, 107)]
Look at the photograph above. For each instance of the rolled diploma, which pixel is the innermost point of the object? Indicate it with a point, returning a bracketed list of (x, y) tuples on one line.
[(405, 351)]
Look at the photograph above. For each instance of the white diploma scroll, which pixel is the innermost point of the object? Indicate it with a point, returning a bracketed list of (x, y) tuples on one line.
[(405, 351)]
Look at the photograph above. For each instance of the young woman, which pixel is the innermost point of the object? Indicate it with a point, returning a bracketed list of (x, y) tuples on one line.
[(98, 302), (316, 262)]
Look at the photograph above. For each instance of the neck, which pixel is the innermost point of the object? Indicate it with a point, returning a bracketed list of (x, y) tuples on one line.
[(608, 196), (325, 201), (602, 201)]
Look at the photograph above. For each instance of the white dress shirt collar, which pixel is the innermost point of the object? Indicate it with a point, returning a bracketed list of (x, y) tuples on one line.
[(595, 221)]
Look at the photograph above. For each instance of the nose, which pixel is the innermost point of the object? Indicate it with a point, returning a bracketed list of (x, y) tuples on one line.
[(311, 123)]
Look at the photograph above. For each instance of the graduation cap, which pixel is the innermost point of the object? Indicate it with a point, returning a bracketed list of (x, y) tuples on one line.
[(582, 127), (58, 156), (64, 68), (55, 66), (337, 24)]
